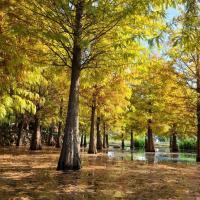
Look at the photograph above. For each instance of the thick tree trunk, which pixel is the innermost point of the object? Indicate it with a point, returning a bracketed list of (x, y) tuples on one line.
[(36, 136), (104, 136), (70, 153), (198, 115), (174, 146), (99, 140), (85, 140), (92, 143), (150, 142), (123, 141), (20, 132), (132, 141), (82, 138)]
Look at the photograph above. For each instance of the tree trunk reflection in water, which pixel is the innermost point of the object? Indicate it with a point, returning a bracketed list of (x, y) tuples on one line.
[(150, 158)]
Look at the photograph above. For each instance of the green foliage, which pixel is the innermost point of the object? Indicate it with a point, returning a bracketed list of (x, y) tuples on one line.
[(188, 144), (139, 142)]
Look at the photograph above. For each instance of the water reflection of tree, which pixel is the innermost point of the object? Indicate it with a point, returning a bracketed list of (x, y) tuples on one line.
[(174, 157), (150, 158), (131, 155)]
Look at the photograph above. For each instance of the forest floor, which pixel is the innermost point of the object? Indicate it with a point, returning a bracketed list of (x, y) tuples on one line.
[(26, 175)]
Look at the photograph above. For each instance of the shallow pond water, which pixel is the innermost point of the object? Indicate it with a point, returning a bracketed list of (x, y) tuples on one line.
[(161, 155), (114, 174)]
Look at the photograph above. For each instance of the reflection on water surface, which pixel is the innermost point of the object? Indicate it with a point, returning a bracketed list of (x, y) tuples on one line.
[(160, 156), (114, 174)]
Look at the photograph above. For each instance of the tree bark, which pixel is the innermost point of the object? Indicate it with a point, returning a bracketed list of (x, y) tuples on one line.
[(70, 152), (150, 142), (20, 132), (198, 135), (123, 141), (174, 146), (104, 136), (132, 141), (50, 137), (58, 138), (82, 138), (92, 144), (99, 140), (107, 141), (145, 142), (170, 142), (36, 136), (85, 140), (198, 115)]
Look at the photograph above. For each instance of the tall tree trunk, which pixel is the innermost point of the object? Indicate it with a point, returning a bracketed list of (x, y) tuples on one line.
[(70, 152), (99, 141), (26, 136), (50, 137), (58, 138), (198, 115), (92, 144), (20, 131), (82, 138), (107, 140), (170, 142), (198, 134), (85, 140), (36, 136), (174, 147), (122, 141), (150, 142), (132, 141), (104, 136), (145, 142)]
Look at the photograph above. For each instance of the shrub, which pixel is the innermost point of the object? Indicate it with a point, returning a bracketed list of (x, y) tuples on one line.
[(139, 142), (187, 144)]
